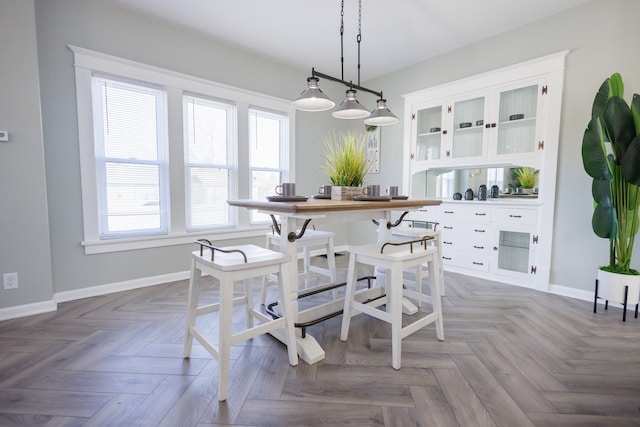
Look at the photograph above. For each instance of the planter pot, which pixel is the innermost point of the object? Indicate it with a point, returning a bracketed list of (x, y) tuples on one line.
[(611, 287), (345, 193)]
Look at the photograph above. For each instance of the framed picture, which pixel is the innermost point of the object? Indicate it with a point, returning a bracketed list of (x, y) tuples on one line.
[(373, 149)]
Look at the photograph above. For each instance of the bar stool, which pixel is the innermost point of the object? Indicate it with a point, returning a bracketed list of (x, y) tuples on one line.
[(311, 238), (394, 257), (406, 233), (228, 265)]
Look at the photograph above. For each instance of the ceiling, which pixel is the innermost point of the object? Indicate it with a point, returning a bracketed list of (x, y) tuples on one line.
[(306, 33)]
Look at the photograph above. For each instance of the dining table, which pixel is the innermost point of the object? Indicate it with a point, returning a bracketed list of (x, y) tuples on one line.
[(292, 216)]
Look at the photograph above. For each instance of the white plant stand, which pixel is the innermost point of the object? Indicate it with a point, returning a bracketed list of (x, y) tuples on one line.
[(621, 288)]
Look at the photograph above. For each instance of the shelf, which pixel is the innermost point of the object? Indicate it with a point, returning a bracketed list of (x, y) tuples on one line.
[(513, 122)]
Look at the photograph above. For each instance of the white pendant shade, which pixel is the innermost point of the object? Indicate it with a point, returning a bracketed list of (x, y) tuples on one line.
[(381, 115), (350, 108), (312, 98)]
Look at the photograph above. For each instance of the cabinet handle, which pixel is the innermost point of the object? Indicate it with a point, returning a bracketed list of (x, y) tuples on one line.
[(448, 153), (493, 125), (515, 216), (479, 231), (478, 247), (447, 243), (495, 248), (447, 258), (478, 263), (480, 214), (448, 212), (412, 156), (446, 227), (488, 125), (444, 132)]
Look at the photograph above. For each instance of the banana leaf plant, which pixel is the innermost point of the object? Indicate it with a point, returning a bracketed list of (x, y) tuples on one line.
[(611, 156)]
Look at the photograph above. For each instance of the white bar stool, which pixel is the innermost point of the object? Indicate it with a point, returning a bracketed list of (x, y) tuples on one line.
[(394, 257), (310, 239), (228, 265), (407, 233)]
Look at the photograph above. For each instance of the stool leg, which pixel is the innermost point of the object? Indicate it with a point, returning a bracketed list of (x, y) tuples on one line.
[(224, 337), (306, 262), (284, 286), (439, 263), (348, 297), (248, 295), (436, 301), (394, 307), (192, 307), (331, 264)]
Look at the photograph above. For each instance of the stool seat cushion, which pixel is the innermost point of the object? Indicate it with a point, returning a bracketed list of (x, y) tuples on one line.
[(256, 256)]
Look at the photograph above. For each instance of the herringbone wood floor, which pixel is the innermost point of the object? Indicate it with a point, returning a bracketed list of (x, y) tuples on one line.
[(512, 357)]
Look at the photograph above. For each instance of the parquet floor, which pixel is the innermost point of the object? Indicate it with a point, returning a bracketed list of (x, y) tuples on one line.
[(512, 357)]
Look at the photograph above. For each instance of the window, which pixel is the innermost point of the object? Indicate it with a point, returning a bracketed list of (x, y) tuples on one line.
[(162, 152), (130, 161), (267, 136), (208, 163)]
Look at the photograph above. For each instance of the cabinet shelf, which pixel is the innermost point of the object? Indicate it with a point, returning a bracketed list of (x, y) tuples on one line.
[(526, 120)]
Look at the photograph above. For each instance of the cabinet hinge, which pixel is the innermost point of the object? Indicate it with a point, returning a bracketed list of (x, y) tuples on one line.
[(544, 89), (535, 239), (448, 108), (540, 145), (533, 269), (413, 116)]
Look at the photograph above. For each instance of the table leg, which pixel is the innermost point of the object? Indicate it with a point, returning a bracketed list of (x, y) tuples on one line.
[(308, 348)]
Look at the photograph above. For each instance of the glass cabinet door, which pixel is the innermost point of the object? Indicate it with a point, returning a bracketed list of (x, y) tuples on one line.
[(429, 134), (468, 125), (514, 250), (517, 120)]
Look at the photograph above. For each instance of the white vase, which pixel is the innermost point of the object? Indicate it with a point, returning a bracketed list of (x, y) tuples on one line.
[(611, 287)]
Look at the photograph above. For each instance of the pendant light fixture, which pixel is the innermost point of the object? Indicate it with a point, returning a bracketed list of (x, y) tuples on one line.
[(313, 99)]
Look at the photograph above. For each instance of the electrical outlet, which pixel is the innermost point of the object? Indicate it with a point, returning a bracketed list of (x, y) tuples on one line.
[(10, 280)]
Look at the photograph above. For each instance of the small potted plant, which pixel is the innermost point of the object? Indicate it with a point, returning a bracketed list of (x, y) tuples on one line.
[(346, 163), (524, 177), (611, 156)]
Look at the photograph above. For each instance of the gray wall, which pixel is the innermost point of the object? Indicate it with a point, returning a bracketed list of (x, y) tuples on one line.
[(97, 26), (24, 228)]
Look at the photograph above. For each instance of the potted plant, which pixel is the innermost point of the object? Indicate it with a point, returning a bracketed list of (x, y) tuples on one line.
[(346, 163), (611, 156), (525, 177)]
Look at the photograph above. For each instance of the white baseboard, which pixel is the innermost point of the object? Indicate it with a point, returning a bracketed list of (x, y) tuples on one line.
[(127, 285), (27, 310), (564, 291), (94, 291)]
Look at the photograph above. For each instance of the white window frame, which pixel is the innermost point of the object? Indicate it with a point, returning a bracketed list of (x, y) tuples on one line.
[(88, 62)]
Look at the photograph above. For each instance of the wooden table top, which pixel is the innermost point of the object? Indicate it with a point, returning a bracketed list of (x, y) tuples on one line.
[(318, 206)]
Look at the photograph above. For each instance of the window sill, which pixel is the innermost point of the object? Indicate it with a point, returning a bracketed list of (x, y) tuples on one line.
[(120, 245)]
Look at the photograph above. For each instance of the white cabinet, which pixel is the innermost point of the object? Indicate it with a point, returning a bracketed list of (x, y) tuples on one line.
[(500, 120), (488, 239), (500, 124)]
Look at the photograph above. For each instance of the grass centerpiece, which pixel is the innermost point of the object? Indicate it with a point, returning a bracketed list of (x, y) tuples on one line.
[(346, 163)]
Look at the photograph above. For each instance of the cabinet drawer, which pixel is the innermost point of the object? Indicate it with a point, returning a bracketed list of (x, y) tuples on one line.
[(463, 260), (471, 213), (516, 216), (476, 214)]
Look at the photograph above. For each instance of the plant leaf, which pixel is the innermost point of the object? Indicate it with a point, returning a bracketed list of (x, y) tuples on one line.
[(600, 100), (594, 152), (601, 190), (604, 222), (619, 125)]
